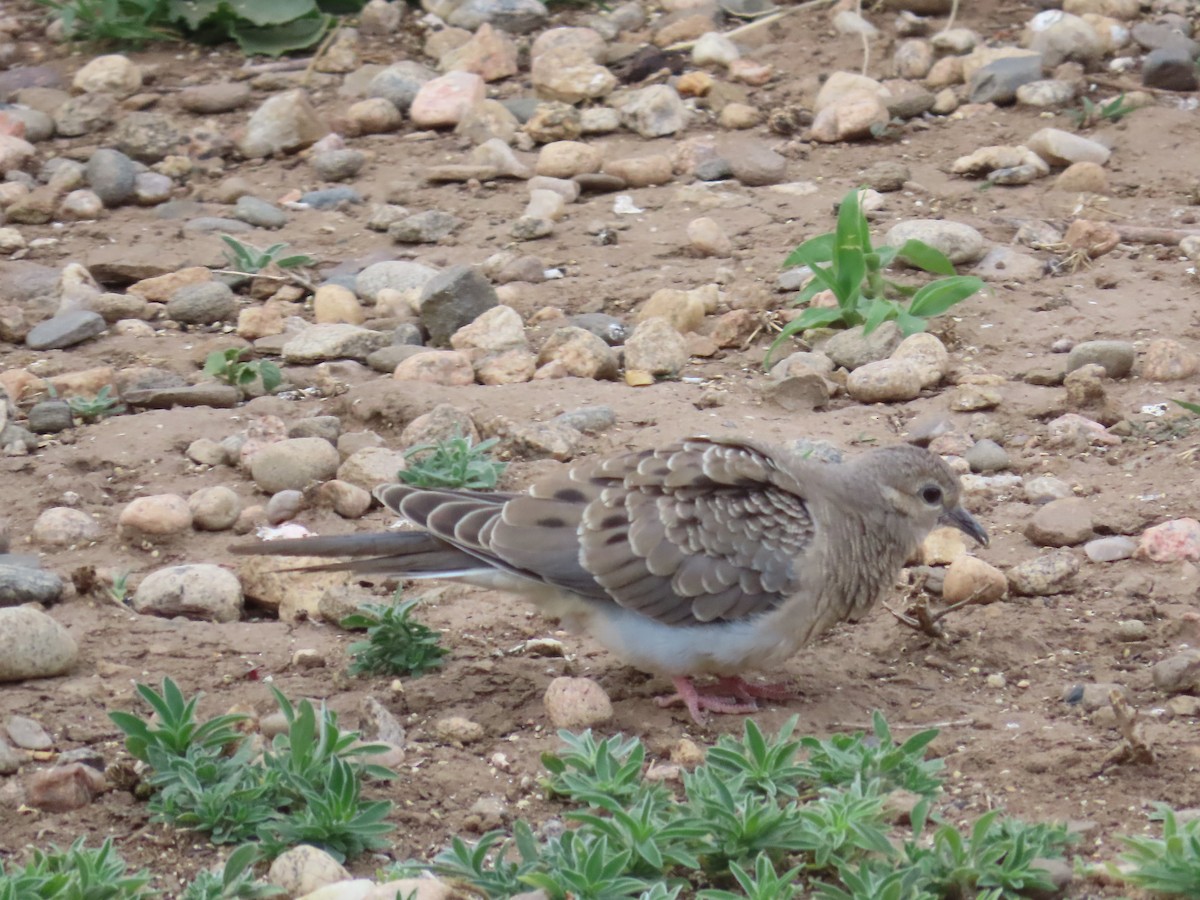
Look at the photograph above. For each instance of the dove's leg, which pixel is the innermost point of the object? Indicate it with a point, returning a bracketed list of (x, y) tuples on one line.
[(749, 690), (698, 703)]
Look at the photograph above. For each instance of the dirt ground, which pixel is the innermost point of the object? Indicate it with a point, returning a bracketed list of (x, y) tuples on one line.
[(1019, 746)]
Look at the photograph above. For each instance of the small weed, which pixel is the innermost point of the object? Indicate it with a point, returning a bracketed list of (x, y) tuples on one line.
[(844, 262), (1089, 113), (227, 365), (453, 463), (1193, 408), (395, 644), (250, 260), (764, 884), (118, 591), (91, 409), (304, 788), (1170, 865), (234, 882), (846, 758), (77, 873), (587, 767)]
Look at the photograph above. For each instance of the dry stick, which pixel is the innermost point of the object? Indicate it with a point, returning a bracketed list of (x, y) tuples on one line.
[(953, 15), (743, 30), (321, 50), (1149, 234), (283, 65), (1129, 88)]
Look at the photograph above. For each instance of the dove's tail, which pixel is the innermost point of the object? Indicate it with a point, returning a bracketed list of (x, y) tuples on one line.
[(407, 554)]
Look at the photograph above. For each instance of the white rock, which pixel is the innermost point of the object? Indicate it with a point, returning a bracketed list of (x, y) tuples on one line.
[(958, 241), (885, 381), (33, 645), (201, 591)]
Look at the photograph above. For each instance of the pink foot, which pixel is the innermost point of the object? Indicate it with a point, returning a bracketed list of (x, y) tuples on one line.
[(697, 703)]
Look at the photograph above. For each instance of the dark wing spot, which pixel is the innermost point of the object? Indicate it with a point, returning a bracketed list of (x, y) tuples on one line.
[(619, 538), (613, 520), (570, 495), (552, 522)]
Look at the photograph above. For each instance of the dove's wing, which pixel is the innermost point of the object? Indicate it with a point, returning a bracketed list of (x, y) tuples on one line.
[(700, 531)]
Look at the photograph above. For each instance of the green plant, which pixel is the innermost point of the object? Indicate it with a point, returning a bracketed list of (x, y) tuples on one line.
[(305, 787), (118, 591), (227, 365), (586, 768), (271, 27), (247, 259), (764, 884), (235, 881), (98, 407), (395, 644), (1170, 865), (1089, 113), (844, 262), (453, 463), (77, 873), (767, 765), (846, 758), (1193, 408)]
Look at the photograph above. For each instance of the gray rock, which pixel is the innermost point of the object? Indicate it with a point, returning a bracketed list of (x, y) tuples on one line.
[(1159, 35), (452, 299), (1115, 357), (1050, 573), (218, 396), (28, 584), (655, 111), (885, 176), (1046, 93), (513, 16), (218, 97), (851, 348), (958, 241), (1178, 674), (201, 591), (50, 417), (400, 83), (656, 347), (713, 170), (1061, 523), (987, 456), (754, 164), (331, 198), (11, 758), (385, 359), (997, 82), (259, 213), (396, 275), (206, 303), (1045, 488), (319, 343), (608, 328), (39, 126), (65, 330), (408, 334), (338, 165), (1170, 68), (588, 419), (1110, 549), (151, 188), (1065, 38), (27, 733), (84, 114), (327, 428), (284, 122), (215, 225), (427, 227), (33, 645), (148, 136), (111, 175), (293, 464)]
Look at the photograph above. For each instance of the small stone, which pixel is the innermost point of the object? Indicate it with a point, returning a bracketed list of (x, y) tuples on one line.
[(206, 303), (50, 417), (1178, 674), (427, 227), (1096, 695), (26, 584), (333, 303), (987, 456), (577, 703), (1175, 540), (970, 578), (396, 275), (579, 353), (1045, 94), (338, 165), (1129, 630), (216, 97), (998, 81), (885, 381), (304, 869), (1061, 523), (928, 354), (753, 163), (1116, 357), (1062, 148), (1082, 177), (347, 500), (708, 238), (64, 788), (851, 348), (33, 645), (442, 102), (259, 213), (458, 730), (284, 122), (1110, 549), (1170, 68), (446, 367), (961, 243), (214, 508), (158, 515), (656, 347), (852, 116), (452, 299), (293, 464), (1045, 488), (493, 331), (369, 467), (65, 330), (202, 591), (1168, 360), (886, 175), (1050, 573), (27, 733), (323, 342), (284, 505), (62, 526), (113, 74), (655, 111)]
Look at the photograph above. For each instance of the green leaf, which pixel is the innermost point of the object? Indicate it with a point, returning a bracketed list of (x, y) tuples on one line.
[(193, 13), (270, 374), (938, 296), (922, 256), (880, 311), (886, 256), (1190, 407), (910, 324), (818, 249), (275, 40), (271, 12)]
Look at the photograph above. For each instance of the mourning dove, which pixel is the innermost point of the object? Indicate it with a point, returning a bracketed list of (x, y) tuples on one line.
[(710, 556)]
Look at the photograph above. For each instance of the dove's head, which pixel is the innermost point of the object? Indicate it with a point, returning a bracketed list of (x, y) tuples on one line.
[(921, 489)]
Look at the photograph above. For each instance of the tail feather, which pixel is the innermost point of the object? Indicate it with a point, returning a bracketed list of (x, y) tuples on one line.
[(404, 553)]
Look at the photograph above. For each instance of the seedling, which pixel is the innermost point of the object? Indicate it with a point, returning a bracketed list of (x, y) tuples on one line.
[(1089, 113), (453, 463), (250, 260), (395, 644), (234, 882), (118, 591), (228, 366), (1170, 865), (845, 263), (102, 405), (77, 872)]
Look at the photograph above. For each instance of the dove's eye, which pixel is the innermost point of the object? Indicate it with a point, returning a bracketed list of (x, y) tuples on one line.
[(932, 494)]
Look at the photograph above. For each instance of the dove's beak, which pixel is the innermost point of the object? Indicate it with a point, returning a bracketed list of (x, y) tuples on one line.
[(965, 522)]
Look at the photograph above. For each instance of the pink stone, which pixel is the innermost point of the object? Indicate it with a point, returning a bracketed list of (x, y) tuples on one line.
[(750, 72), (442, 102), (1170, 541)]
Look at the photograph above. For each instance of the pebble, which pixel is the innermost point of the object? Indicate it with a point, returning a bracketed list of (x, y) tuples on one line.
[(65, 330), (493, 331), (206, 303), (284, 122), (369, 467), (885, 381), (576, 352), (427, 227), (1062, 148), (284, 506), (1178, 674), (200, 591), (27, 733), (1168, 360), (50, 417), (156, 515), (293, 464), (64, 788), (1116, 357), (112, 176), (347, 500), (33, 645), (452, 299), (998, 81), (396, 275), (928, 354), (987, 456), (852, 348), (259, 213), (656, 347), (442, 101), (1082, 177), (446, 367), (63, 526), (971, 577), (214, 508), (1170, 68), (215, 97), (961, 243), (753, 163), (303, 869), (28, 584), (1095, 695), (1061, 523), (400, 82), (111, 74), (331, 198), (577, 703), (708, 238), (1129, 630), (334, 304), (218, 396), (1171, 541), (1044, 488), (323, 342), (1050, 573), (338, 165), (458, 730), (1045, 93), (1110, 549), (655, 111)]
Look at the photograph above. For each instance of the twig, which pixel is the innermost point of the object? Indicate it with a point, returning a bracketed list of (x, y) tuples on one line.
[(953, 15), (1149, 234), (282, 65), (743, 30), (321, 51), (293, 277), (1129, 88), (866, 42)]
